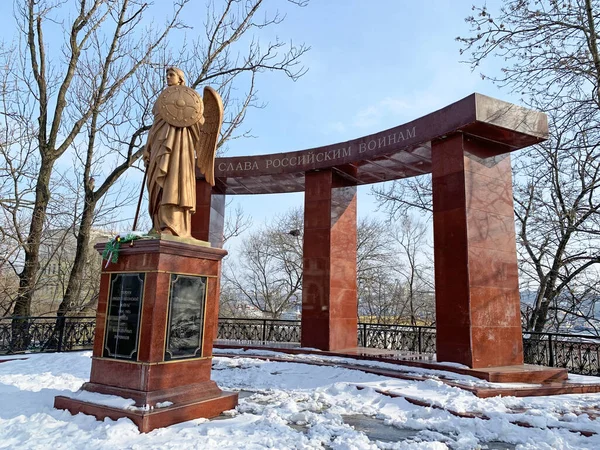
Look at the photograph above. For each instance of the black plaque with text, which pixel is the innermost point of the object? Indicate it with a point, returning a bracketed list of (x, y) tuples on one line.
[(123, 316), (186, 317)]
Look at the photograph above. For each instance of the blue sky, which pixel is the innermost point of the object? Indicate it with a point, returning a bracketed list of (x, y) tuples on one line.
[(373, 65)]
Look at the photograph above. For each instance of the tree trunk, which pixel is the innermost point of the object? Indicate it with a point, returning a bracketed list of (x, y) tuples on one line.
[(75, 277), (27, 277), (32, 250), (81, 255), (541, 315)]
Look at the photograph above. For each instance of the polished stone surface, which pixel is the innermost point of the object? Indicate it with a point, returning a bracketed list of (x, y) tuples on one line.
[(149, 379), (399, 152), (121, 339), (329, 302), (466, 147), (477, 294), (208, 223), (147, 421)]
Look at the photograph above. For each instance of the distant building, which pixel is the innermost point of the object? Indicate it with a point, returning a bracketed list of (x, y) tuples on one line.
[(57, 253)]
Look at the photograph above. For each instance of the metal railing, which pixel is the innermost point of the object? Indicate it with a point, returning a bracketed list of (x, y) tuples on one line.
[(259, 331), (579, 354), (397, 337), (46, 334)]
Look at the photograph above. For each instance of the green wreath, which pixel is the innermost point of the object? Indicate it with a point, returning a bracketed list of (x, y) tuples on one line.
[(112, 248)]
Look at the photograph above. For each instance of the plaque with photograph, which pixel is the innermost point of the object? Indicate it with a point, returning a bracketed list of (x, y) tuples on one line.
[(185, 330), (121, 337)]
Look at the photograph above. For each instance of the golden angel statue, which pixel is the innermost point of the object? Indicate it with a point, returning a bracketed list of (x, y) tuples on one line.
[(183, 136)]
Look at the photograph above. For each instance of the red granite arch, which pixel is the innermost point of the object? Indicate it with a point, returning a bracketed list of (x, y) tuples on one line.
[(466, 147)]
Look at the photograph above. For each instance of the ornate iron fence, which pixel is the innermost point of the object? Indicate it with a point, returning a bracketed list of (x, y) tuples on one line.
[(397, 337), (46, 334), (259, 331), (575, 352), (579, 354)]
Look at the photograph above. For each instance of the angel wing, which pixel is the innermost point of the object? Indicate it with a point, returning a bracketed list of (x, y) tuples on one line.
[(206, 147)]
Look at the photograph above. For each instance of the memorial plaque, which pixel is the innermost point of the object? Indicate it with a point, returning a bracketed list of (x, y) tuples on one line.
[(123, 316), (186, 317)]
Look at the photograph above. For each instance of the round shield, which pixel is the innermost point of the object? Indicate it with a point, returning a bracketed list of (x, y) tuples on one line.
[(180, 106)]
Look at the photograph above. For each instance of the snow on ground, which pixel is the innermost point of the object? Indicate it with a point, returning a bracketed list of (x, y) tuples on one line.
[(290, 405)]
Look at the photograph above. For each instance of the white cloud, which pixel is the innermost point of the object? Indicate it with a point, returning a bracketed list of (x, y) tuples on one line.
[(374, 115), (336, 127)]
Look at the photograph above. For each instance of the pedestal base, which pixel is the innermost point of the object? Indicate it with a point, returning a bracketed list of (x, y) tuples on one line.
[(156, 418), (182, 394), (156, 320)]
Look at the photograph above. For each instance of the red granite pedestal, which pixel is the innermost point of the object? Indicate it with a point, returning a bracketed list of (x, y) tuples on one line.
[(167, 387)]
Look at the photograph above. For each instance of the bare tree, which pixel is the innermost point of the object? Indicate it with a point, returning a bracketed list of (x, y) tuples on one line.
[(403, 197), (236, 223), (552, 62), (416, 272), (269, 273), (18, 163), (93, 98), (549, 49), (53, 89), (558, 210), (393, 271), (395, 282), (380, 297), (379, 292), (210, 61)]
